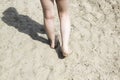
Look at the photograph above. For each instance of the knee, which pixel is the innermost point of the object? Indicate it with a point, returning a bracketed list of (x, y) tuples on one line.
[(48, 14), (63, 14)]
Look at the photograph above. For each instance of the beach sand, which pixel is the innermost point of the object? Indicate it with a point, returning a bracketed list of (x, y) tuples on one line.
[(94, 40)]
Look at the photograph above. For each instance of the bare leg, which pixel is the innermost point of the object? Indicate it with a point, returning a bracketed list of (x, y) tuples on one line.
[(48, 11), (63, 12)]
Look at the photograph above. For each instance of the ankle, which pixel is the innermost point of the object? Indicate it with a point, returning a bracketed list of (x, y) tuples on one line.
[(65, 48)]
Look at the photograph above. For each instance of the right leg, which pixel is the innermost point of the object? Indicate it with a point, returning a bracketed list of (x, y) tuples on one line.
[(48, 12), (63, 12)]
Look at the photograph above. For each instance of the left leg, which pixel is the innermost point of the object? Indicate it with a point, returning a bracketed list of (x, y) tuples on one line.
[(48, 12)]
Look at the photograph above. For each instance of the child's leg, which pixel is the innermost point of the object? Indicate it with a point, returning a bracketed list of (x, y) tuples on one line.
[(64, 24), (48, 11)]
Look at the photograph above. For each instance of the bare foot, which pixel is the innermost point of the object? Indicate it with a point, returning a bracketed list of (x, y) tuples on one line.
[(54, 44), (66, 52)]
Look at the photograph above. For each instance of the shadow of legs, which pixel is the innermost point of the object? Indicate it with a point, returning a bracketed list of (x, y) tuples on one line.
[(59, 53), (24, 24)]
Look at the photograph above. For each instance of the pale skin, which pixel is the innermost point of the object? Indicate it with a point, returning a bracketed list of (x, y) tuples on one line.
[(63, 12)]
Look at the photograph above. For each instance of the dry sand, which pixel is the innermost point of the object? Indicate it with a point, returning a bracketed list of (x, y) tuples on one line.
[(95, 41)]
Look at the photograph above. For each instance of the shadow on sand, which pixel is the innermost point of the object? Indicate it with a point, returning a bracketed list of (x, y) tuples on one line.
[(26, 25), (23, 24)]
